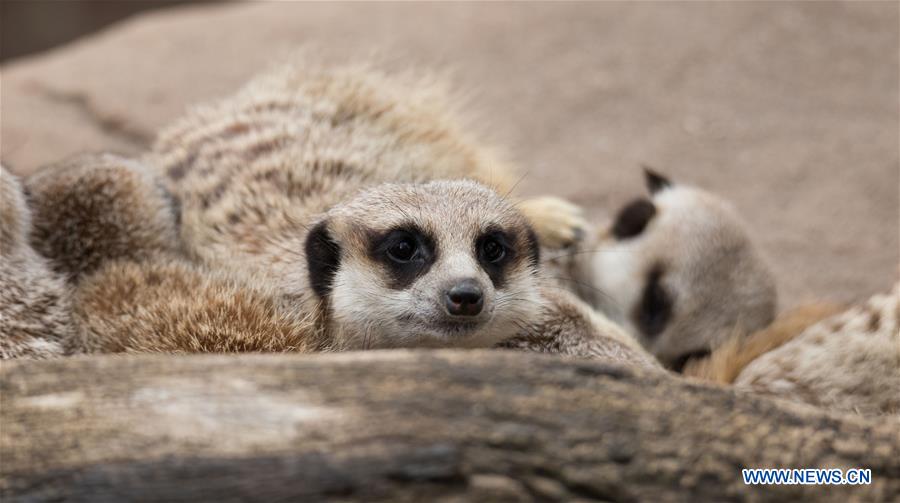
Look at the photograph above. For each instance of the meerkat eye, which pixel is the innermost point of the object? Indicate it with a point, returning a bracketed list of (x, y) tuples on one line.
[(495, 251), (492, 250), (403, 250), (406, 252)]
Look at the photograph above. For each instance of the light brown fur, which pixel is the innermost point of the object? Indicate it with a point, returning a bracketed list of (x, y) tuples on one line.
[(92, 209), (561, 332), (168, 305), (301, 139), (839, 359), (129, 288), (728, 360), (35, 316), (848, 362)]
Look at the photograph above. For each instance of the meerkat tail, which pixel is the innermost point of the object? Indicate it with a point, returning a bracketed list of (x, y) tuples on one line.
[(849, 362), (726, 362)]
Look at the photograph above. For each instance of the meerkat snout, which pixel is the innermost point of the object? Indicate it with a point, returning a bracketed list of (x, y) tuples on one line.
[(446, 263), (464, 299)]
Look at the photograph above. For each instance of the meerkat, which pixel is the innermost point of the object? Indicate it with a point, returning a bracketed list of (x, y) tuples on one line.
[(360, 199), (347, 207), (154, 299), (677, 269), (687, 246)]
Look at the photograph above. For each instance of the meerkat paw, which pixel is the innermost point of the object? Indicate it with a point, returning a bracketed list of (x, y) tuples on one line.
[(557, 222), (570, 327), (96, 208)]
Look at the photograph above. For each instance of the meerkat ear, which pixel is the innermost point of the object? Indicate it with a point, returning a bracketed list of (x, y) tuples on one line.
[(633, 218), (323, 256), (655, 181)]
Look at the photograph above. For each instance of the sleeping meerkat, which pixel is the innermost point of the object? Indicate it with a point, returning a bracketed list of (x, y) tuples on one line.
[(677, 270)]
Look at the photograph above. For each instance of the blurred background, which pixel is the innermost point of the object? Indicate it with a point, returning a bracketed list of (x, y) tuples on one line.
[(788, 109), (36, 25)]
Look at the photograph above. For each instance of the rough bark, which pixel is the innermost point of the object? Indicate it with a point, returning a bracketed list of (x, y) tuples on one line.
[(408, 426)]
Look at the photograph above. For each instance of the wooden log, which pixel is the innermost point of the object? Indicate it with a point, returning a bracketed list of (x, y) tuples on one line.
[(409, 426)]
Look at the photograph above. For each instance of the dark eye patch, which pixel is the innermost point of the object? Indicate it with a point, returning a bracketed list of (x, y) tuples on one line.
[(654, 311), (633, 218), (385, 248), (494, 267)]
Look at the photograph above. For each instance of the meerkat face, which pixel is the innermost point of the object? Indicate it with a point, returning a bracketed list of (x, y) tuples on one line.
[(679, 271), (437, 264)]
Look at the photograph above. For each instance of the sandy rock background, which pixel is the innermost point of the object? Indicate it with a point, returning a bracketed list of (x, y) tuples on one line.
[(790, 110)]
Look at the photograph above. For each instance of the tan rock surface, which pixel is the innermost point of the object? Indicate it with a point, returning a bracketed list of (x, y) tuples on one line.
[(790, 110)]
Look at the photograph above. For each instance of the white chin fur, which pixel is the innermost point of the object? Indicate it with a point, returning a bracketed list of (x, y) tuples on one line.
[(398, 336), (367, 316)]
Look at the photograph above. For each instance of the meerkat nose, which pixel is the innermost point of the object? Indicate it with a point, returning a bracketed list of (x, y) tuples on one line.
[(465, 298)]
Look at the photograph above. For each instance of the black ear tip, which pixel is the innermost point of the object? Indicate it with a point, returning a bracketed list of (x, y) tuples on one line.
[(654, 180)]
